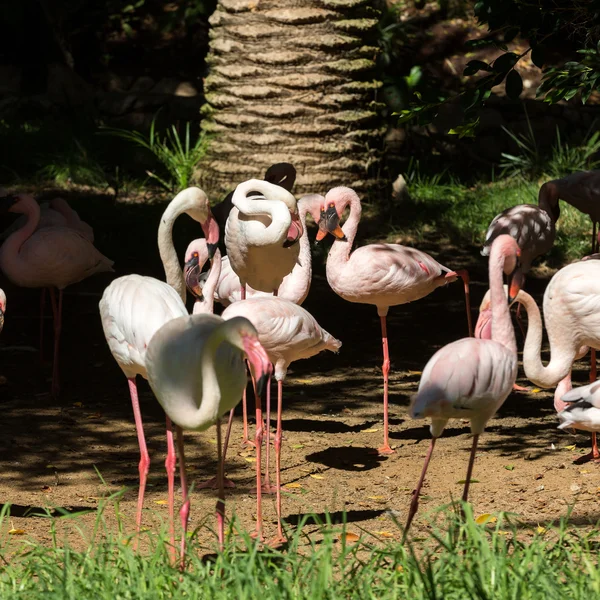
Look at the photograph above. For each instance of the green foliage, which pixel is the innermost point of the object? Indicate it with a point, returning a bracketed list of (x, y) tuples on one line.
[(457, 559), (177, 157)]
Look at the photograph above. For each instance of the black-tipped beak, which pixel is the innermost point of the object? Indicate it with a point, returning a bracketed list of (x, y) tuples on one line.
[(330, 223), (191, 270), (515, 282), (261, 385), (6, 202), (211, 248)]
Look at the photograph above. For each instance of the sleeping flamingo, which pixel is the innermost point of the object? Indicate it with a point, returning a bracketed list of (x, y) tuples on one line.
[(381, 274), (471, 378), (288, 333), (53, 257), (133, 308), (581, 190), (281, 174), (262, 235), (582, 409), (296, 285), (195, 367)]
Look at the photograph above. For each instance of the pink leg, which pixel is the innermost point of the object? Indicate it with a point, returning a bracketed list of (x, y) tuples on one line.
[(170, 463), (258, 441), (221, 499), (278, 437), (385, 449), (464, 275), (144, 465), (42, 307), (184, 511), (267, 487), (595, 453), (470, 468), (414, 503), (214, 482), (57, 328)]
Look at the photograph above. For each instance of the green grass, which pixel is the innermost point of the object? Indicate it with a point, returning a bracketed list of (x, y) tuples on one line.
[(497, 560)]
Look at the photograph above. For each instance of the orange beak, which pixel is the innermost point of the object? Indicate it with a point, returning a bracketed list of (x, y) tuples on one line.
[(330, 223)]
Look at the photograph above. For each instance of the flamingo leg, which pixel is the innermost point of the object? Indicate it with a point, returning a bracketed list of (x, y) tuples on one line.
[(170, 463), (464, 275), (144, 465), (470, 467), (414, 503), (184, 511), (278, 437), (220, 508), (213, 483), (258, 441), (385, 449), (267, 487), (57, 328), (42, 308)]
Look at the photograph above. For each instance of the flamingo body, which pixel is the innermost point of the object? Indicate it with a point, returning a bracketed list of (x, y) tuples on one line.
[(582, 408)]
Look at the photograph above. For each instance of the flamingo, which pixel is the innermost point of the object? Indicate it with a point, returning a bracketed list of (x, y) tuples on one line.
[(296, 285), (262, 234), (281, 174), (381, 274), (2, 308), (288, 333), (53, 257), (134, 307), (582, 410), (571, 310), (195, 367), (581, 190), (471, 378)]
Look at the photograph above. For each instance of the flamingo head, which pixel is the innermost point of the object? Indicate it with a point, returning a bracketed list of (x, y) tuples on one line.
[(210, 227), (506, 250), (311, 203), (295, 230), (196, 256), (281, 174), (336, 201)]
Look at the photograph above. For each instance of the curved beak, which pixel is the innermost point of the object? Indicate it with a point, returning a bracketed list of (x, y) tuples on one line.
[(294, 232), (515, 282), (330, 223), (260, 365), (211, 232), (192, 276)]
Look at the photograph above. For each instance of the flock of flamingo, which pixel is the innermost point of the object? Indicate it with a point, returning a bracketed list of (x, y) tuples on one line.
[(258, 255)]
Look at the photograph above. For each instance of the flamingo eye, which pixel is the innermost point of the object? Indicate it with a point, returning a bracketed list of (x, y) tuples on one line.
[(195, 255), (331, 205)]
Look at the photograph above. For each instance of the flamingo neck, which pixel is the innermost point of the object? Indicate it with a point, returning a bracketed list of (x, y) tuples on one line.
[(502, 328), (206, 305), (341, 249), (31, 210), (561, 355), (564, 386), (304, 255)]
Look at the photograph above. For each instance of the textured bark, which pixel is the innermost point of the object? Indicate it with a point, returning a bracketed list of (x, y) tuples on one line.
[(294, 81)]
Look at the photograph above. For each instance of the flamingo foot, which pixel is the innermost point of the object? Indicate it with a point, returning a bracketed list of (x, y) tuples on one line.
[(248, 443), (520, 388), (266, 488), (385, 450), (589, 457), (256, 535), (214, 485), (278, 540)]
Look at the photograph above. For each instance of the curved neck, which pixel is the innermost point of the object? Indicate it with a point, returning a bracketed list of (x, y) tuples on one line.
[(31, 209), (503, 331), (304, 255), (206, 305), (564, 386), (561, 357), (341, 249)]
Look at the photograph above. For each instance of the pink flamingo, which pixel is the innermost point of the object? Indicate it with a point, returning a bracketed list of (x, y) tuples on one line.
[(582, 408), (471, 378), (195, 367), (133, 308), (2, 308), (53, 257), (581, 190), (262, 235), (381, 274), (288, 333)]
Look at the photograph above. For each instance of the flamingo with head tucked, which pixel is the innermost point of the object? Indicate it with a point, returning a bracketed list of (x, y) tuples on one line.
[(381, 274), (262, 235), (53, 257), (471, 378), (195, 367)]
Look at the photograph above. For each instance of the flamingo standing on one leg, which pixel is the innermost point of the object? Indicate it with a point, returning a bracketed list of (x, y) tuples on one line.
[(262, 235), (381, 274), (196, 370), (53, 257), (288, 333), (471, 378), (133, 308)]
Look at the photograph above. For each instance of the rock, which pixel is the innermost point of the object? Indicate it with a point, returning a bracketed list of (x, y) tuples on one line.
[(186, 90), (400, 190)]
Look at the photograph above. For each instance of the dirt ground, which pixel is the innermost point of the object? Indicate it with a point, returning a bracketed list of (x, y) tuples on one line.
[(67, 455)]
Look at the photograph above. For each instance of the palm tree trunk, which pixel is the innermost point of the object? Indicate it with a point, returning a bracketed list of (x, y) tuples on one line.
[(292, 80)]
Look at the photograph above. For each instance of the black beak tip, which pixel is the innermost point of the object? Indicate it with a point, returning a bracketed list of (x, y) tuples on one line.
[(212, 248), (261, 384)]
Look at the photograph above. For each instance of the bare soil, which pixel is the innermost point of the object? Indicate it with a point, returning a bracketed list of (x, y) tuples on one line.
[(67, 455)]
